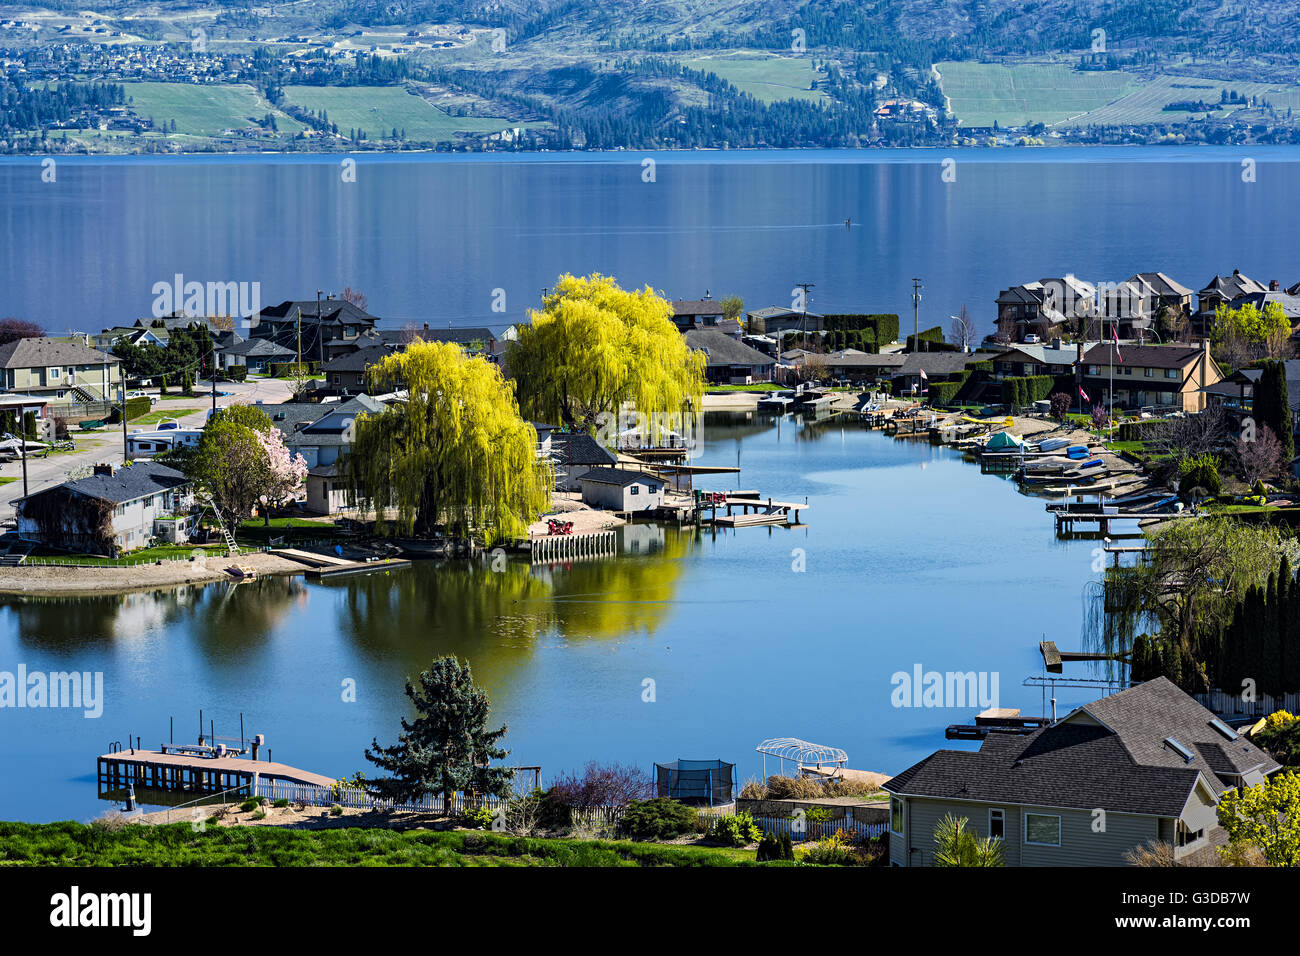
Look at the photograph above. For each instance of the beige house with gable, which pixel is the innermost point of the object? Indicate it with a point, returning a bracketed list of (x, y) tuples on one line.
[(61, 372)]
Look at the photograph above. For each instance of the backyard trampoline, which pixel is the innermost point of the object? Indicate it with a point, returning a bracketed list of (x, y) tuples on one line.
[(696, 781)]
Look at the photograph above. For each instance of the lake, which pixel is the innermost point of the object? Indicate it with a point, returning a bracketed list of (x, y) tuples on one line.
[(909, 556)]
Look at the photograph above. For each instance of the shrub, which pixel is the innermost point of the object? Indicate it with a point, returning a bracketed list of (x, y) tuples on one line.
[(659, 819), (810, 788), (1280, 736), (1199, 474), (259, 815), (281, 803), (837, 850), (238, 373), (1061, 403), (252, 803), (336, 811), (735, 829), (773, 847), (479, 818)]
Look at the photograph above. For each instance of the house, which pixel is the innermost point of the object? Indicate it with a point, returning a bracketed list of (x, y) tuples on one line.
[(617, 489), (704, 313), (59, 372), (346, 374), (728, 361), (133, 334), (573, 454), (775, 319), (1148, 764), (327, 328), (1055, 358), (1046, 306), (544, 432), (256, 355), (1221, 290), (848, 365), (1173, 376), (1134, 304), (114, 509), (321, 433), (1236, 393)]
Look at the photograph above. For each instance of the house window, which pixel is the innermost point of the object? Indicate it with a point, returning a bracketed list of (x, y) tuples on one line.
[(1148, 372), (1092, 370), (1186, 837), (896, 815), (1042, 829), (1171, 373), (997, 823), (636, 489), (54, 373)]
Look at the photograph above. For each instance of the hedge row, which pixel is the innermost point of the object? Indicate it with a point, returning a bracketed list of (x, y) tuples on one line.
[(1025, 390), (944, 392), (933, 339), (278, 369), (135, 407), (1143, 429), (882, 325)]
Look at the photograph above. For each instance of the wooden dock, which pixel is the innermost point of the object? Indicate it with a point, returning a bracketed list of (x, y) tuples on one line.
[(766, 511), (120, 771), (320, 566)]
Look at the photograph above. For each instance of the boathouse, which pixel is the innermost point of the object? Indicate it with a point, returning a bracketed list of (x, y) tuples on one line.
[(616, 489)]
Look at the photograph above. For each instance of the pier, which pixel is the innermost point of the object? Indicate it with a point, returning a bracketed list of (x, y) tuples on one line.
[(321, 566), (556, 547), (766, 511)]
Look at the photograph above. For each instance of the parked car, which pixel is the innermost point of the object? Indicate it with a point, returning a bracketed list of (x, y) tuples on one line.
[(153, 399), (1031, 339)]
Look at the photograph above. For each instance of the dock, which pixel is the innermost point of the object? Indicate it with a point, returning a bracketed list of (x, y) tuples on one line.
[(121, 771), (995, 720), (320, 566), (766, 511), (562, 547)]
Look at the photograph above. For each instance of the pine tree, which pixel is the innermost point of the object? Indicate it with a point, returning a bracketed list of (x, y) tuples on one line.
[(446, 748)]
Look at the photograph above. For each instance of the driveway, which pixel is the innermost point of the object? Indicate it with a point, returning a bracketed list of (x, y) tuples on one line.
[(107, 446)]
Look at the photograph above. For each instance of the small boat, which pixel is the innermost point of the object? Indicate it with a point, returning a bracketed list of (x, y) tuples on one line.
[(1051, 444), (244, 572)]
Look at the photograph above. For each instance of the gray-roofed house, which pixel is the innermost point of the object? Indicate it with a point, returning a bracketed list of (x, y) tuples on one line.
[(774, 319), (619, 489), (320, 432), (728, 361), (1221, 290), (60, 372), (1146, 765), (327, 328), (573, 454), (256, 355), (936, 365), (115, 509), (347, 372)]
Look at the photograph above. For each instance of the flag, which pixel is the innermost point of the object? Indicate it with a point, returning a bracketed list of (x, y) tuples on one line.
[(1118, 354), (923, 375), (1084, 395)]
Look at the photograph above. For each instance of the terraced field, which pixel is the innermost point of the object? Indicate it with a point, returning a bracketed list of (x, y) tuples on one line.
[(765, 76), (981, 94), (1146, 105), (204, 110), (380, 109)]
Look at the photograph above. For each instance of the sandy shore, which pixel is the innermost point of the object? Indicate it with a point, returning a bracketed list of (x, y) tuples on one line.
[(35, 579)]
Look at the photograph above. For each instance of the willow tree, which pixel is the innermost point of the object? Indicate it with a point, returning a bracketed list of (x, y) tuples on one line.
[(594, 348), (456, 453)]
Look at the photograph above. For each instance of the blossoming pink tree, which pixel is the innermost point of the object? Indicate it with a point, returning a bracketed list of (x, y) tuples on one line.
[(285, 471)]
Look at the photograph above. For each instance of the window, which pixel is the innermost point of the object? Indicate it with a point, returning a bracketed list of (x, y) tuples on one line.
[(896, 815), (1092, 370), (636, 489), (1171, 373), (1042, 829), (1179, 749), (1148, 372), (997, 823), (54, 373), (1223, 728), (1186, 837)]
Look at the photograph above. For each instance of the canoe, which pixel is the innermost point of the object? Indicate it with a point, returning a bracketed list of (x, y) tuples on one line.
[(87, 426)]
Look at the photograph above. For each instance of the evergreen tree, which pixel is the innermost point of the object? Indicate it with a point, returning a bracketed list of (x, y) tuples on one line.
[(448, 745)]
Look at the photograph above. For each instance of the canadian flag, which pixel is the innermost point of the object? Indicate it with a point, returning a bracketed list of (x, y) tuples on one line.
[(1084, 395), (1118, 354), (924, 376)]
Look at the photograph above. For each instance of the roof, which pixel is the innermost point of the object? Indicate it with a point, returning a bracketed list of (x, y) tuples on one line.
[(1290, 303), (44, 352), (459, 336), (778, 311), (579, 448), (939, 363), (1144, 356), (705, 306), (1110, 754), (358, 361), (331, 310), (126, 484), (620, 477), (257, 347), (1161, 284), (721, 349), (1229, 287), (1045, 354), (853, 358)]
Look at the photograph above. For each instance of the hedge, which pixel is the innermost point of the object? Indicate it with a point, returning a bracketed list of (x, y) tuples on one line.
[(933, 339), (883, 326), (135, 407), (943, 393), (1141, 429), (278, 369), (1020, 391)]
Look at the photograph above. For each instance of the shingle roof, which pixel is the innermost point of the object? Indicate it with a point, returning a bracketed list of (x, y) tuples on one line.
[(257, 348), (459, 336), (1110, 754), (1143, 356), (357, 361), (939, 363), (579, 448), (620, 477), (126, 483), (697, 306), (43, 352), (721, 349)]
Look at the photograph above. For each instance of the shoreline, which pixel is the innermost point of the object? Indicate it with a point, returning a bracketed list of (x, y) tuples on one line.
[(106, 580)]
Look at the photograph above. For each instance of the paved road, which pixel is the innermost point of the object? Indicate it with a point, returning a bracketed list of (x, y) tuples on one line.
[(106, 446)]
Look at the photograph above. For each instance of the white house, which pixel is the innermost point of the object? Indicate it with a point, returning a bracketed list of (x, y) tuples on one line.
[(616, 489)]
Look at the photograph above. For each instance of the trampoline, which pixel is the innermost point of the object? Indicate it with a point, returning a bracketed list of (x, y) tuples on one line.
[(696, 781)]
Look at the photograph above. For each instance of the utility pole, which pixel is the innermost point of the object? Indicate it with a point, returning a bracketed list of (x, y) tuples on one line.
[(916, 313), (803, 322), (212, 354), (320, 332), (121, 390)]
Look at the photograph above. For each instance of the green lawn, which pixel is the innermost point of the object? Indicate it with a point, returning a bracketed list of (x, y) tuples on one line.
[(763, 75), (153, 418), (380, 109), (202, 109), (983, 93), (77, 844)]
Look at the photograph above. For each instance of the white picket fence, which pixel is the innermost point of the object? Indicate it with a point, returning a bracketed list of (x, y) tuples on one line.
[(1230, 705), (801, 829), (355, 798)]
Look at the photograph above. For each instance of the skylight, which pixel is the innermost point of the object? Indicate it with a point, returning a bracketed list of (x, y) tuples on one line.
[(1179, 749), (1223, 728)]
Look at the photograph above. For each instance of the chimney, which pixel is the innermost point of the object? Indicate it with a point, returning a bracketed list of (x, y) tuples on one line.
[(105, 470), (1273, 285), (1079, 352), (426, 326), (1056, 343)]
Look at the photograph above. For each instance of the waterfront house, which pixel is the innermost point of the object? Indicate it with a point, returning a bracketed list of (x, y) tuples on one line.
[(936, 365), (327, 328), (775, 319), (850, 365), (59, 372), (618, 489), (1054, 358), (1046, 306), (573, 454), (704, 313), (1221, 290), (256, 355), (115, 509), (1167, 376), (729, 361), (1235, 394), (346, 374), (321, 433), (1146, 765)]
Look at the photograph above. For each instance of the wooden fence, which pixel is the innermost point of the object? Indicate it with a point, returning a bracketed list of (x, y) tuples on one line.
[(798, 829)]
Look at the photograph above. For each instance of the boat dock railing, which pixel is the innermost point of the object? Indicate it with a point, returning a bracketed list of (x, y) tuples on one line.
[(552, 547)]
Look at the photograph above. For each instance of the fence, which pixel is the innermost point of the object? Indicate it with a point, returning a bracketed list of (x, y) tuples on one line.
[(358, 798), (802, 829), (1232, 705)]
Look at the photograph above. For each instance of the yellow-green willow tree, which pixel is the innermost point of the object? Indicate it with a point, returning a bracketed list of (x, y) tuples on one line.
[(595, 347), (456, 454)]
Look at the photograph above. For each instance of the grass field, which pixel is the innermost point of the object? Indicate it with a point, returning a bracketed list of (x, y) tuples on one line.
[(767, 77), (203, 110), (380, 109), (177, 844), (1146, 104), (983, 93)]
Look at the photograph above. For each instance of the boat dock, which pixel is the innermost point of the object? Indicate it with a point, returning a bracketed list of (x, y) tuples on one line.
[(321, 566), (174, 769), (766, 511), (999, 720)]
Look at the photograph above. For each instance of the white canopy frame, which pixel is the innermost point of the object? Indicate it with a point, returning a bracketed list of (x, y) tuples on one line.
[(802, 753)]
